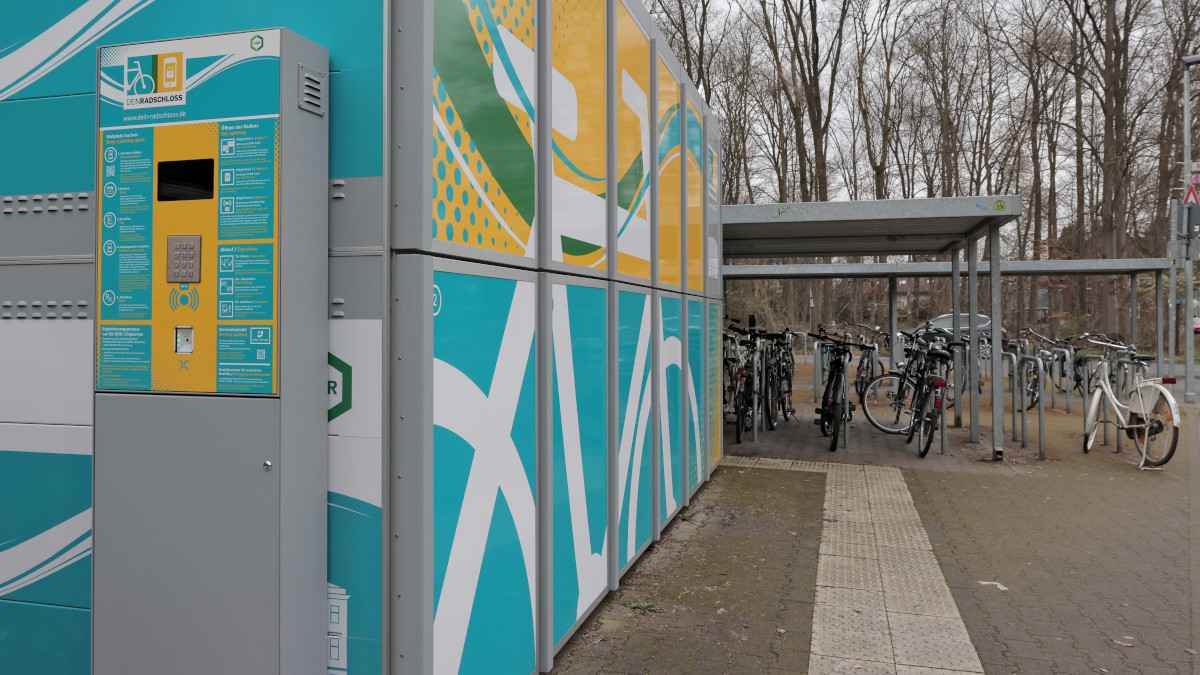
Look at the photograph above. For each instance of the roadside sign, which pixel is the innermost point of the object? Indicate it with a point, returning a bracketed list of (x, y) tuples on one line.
[(1191, 197)]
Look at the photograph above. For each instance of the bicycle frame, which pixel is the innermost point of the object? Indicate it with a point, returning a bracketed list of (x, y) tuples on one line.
[(1120, 413)]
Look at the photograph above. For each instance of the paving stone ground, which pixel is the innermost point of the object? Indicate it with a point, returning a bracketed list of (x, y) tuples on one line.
[(1087, 559)]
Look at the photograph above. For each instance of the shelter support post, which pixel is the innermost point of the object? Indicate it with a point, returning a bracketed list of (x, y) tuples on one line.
[(955, 304), (1133, 309), (974, 361), (893, 323), (1158, 322), (1173, 289), (1189, 338), (997, 316)]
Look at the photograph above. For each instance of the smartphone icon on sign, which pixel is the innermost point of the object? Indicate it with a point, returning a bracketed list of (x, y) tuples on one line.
[(170, 73)]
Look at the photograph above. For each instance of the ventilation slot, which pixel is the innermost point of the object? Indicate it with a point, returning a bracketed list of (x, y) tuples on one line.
[(311, 92)]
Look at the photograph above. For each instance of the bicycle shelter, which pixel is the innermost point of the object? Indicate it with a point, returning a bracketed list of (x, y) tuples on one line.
[(936, 226)]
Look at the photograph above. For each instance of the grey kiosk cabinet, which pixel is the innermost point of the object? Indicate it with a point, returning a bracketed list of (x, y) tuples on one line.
[(211, 465)]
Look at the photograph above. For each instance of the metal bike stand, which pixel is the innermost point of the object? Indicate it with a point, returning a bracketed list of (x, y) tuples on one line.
[(1087, 385), (942, 424), (1067, 358), (1122, 382), (1012, 384), (1040, 365)]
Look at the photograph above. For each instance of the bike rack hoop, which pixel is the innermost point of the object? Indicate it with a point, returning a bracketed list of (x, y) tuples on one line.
[(1041, 369)]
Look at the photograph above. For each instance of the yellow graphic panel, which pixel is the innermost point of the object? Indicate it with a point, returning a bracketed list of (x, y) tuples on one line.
[(695, 199), (633, 147), (670, 178), (578, 211)]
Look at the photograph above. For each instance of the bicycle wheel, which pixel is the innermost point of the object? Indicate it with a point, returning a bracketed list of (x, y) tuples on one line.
[(887, 403), (1091, 421), (1160, 435), (768, 402), (836, 426), (918, 410), (925, 434), (1029, 380), (740, 414), (826, 409), (785, 399)]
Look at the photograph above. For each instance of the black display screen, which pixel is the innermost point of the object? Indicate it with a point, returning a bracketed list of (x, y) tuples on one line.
[(185, 179)]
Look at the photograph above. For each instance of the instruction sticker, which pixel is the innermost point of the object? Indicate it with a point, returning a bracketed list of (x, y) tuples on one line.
[(246, 179), (245, 359), (246, 282), (126, 230), (124, 358)]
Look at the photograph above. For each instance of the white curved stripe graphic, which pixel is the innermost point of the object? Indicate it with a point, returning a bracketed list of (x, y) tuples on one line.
[(643, 421), (590, 568), (71, 34), (694, 413), (45, 551), (670, 354), (632, 425), (485, 423)]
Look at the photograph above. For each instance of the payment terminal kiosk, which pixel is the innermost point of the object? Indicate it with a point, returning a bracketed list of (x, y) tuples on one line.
[(211, 340)]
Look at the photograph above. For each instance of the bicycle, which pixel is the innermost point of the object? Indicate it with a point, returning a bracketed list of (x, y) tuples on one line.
[(836, 408), (929, 398), (868, 362), (889, 400), (782, 364), (1150, 417), (741, 368)]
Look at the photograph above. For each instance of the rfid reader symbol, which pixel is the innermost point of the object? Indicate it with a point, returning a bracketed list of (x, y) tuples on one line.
[(189, 298)]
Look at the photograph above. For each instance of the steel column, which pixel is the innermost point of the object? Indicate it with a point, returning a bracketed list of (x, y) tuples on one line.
[(1158, 323), (973, 335), (955, 304), (893, 322), (1173, 288), (1133, 310), (997, 317)]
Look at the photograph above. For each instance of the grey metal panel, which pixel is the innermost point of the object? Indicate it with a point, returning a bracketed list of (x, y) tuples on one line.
[(28, 289), (544, 475), (653, 210), (186, 561), (411, 479), (51, 224), (303, 353), (410, 124), (861, 227), (356, 286), (660, 50), (1097, 267), (356, 213), (613, 374)]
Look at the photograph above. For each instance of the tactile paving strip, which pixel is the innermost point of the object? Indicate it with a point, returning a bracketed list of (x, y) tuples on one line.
[(882, 603)]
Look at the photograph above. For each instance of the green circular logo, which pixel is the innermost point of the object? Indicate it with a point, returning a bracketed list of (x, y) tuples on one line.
[(256, 43), (1000, 205)]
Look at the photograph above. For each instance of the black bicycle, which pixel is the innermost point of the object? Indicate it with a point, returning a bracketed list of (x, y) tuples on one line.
[(836, 408)]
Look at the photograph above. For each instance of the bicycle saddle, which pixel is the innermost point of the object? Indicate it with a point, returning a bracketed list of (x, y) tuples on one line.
[(1144, 358), (940, 354)]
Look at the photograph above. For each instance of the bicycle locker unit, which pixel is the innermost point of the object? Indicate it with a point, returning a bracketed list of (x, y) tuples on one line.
[(520, 275)]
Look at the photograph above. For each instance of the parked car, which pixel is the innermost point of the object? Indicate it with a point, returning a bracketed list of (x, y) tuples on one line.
[(1195, 324), (983, 324)]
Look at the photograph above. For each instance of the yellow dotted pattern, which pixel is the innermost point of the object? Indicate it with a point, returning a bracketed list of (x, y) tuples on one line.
[(670, 178), (460, 211), (695, 211), (633, 58)]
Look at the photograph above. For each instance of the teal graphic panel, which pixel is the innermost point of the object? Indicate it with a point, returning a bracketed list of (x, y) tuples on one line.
[(580, 403), (246, 281), (670, 368), (695, 394), (634, 360), (355, 589), (48, 78), (45, 529), (45, 640), (245, 357), (484, 461)]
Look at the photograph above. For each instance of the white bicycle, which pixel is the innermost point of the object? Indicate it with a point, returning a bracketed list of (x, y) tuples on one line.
[(1150, 415)]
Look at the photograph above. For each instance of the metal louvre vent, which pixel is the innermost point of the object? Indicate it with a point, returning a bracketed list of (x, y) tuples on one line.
[(310, 94)]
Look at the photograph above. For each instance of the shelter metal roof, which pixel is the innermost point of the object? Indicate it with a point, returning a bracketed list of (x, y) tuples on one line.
[(861, 228), (1095, 267)]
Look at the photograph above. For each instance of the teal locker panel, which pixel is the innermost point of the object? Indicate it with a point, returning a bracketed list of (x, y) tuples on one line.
[(634, 318), (580, 404), (670, 418), (484, 460), (694, 384)]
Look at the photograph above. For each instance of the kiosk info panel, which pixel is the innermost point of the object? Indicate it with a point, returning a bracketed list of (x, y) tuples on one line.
[(210, 478), (189, 179)]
